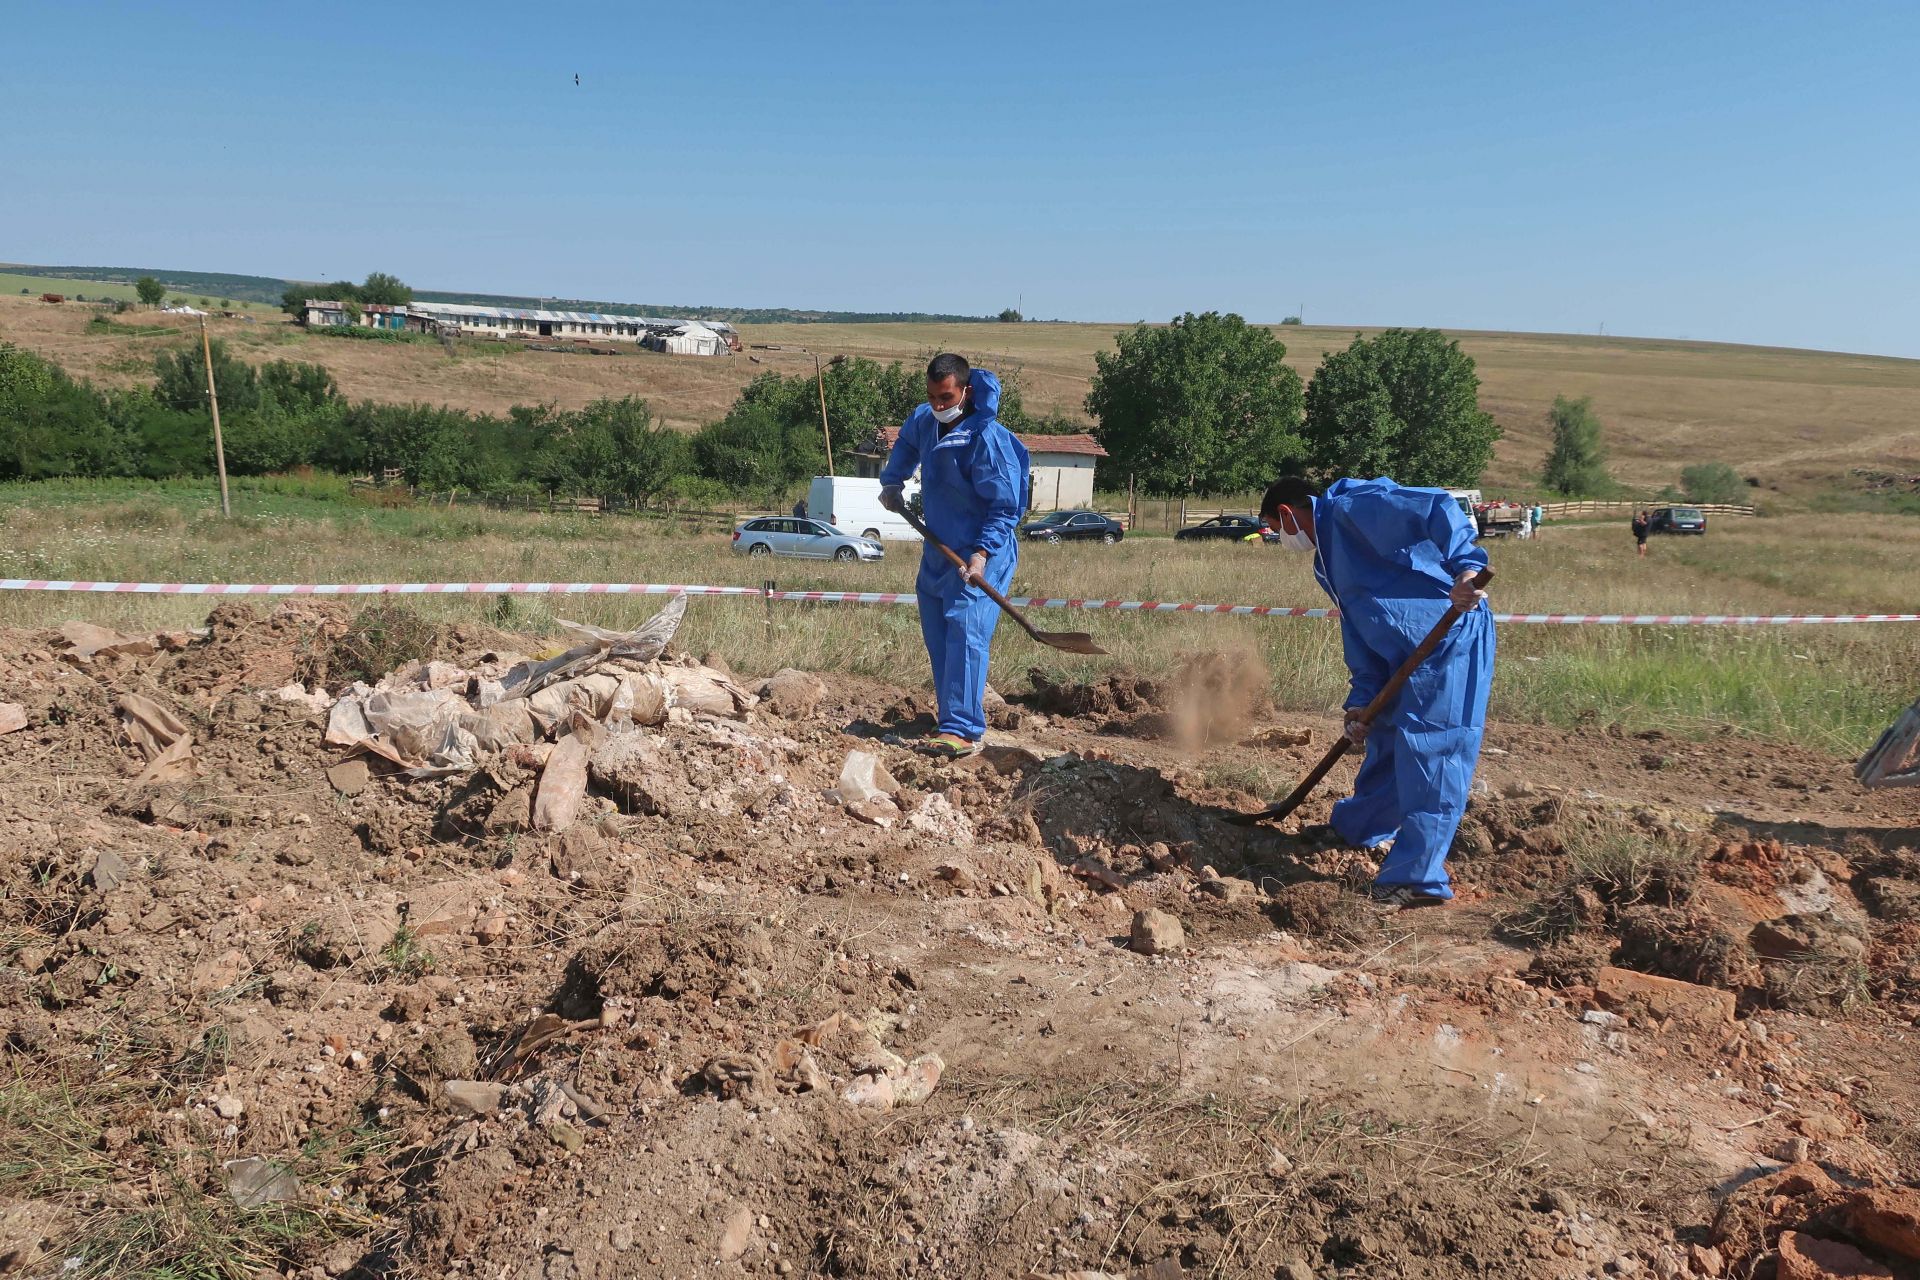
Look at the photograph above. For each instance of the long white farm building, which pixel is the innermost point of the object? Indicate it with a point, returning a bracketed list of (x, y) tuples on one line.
[(677, 337)]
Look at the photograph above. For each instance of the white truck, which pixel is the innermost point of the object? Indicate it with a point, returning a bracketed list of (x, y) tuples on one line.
[(852, 505)]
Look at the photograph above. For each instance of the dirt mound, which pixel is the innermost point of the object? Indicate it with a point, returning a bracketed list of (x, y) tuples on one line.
[(725, 1017), (1114, 694)]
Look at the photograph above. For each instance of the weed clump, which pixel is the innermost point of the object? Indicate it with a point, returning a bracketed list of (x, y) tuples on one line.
[(380, 639)]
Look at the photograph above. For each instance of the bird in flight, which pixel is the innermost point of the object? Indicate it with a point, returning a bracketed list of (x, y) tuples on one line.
[(576, 77)]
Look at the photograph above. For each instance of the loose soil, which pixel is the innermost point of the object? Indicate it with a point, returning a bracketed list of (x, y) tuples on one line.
[(725, 1024)]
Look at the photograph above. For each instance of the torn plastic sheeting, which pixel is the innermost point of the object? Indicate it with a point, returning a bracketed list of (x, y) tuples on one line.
[(643, 644), (151, 726), (864, 778)]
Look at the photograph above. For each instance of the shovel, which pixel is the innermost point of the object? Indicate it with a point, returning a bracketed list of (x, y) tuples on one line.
[(1381, 701), (1067, 641)]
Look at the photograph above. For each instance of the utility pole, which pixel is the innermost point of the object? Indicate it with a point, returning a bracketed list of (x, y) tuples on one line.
[(213, 400), (820, 382)]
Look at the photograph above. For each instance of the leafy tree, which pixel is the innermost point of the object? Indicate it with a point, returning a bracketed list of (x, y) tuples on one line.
[(293, 300), (352, 308), (1712, 482), (1010, 316), (148, 290), (1577, 464), (180, 380), (206, 303), (51, 425), (752, 451), (226, 304), (384, 290), (1403, 404), (1290, 320), (1205, 404)]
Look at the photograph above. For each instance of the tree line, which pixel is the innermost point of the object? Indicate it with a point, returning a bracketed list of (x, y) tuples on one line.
[(288, 414), (1206, 404)]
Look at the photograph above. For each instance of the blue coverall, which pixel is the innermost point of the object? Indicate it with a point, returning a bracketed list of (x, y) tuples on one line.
[(1389, 555), (973, 488)]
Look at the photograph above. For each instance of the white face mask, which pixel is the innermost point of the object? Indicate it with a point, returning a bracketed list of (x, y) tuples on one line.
[(1293, 539), (946, 416)]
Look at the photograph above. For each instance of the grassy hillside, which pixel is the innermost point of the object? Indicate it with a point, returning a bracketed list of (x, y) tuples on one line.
[(33, 286), (267, 291), (1798, 421)]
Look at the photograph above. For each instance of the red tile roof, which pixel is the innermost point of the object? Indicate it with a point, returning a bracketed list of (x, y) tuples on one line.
[(1078, 443)]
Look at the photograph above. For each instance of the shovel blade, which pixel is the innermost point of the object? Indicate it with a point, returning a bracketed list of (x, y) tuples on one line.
[(1069, 641)]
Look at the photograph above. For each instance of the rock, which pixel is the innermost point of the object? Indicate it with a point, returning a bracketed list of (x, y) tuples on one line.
[(1791, 1150), (735, 1075), (512, 813), (877, 812), (566, 1135), (443, 908), (1227, 889), (1805, 1257), (1664, 998), (962, 877), (110, 871), (870, 1091), (621, 1238), (1155, 933), (1559, 1200), (1706, 1260), (253, 1181), (227, 1107), (737, 1234), (350, 777), (12, 716), (562, 786), (793, 695), (918, 1082), (1888, 1217), (1295, 1270), (473, 1097), (490, 928)]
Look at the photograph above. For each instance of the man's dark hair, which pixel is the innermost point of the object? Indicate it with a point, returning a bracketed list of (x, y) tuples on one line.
[(947, 365), (1287, 491)]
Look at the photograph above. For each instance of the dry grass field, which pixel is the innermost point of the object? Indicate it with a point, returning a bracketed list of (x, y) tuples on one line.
[(1795, 420), (1834, 687)]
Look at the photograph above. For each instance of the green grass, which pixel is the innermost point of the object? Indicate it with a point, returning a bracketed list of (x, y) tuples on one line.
[(1832, 687), (95, 290)]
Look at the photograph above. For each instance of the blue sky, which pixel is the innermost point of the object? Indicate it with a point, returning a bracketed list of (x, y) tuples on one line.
[(1742, 172)]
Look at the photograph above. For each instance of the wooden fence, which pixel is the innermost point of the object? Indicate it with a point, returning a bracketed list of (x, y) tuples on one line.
[(1625, 510)]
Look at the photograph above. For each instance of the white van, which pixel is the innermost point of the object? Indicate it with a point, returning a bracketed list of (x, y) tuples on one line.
[(852, 505)]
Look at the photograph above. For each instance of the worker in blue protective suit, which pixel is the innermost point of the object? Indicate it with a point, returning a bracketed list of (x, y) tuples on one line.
[(1393, 558), (973, 487)]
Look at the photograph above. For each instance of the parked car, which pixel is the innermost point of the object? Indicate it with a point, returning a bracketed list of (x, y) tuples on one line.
[(1068, 526), (807, 539), (1223, 528), (1678, 520)]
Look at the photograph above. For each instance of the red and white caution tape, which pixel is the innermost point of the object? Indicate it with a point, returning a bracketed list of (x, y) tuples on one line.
[(884, 597)]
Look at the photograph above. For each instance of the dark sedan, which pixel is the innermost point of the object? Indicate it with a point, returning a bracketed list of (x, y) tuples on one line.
[(1222, 528), (1070, 526), (1678, 520)]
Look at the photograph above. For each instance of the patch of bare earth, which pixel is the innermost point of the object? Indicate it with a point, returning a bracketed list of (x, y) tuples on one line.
[(661, 985)]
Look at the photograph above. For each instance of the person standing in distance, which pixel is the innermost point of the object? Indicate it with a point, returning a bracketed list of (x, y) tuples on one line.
[(973, 490)]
